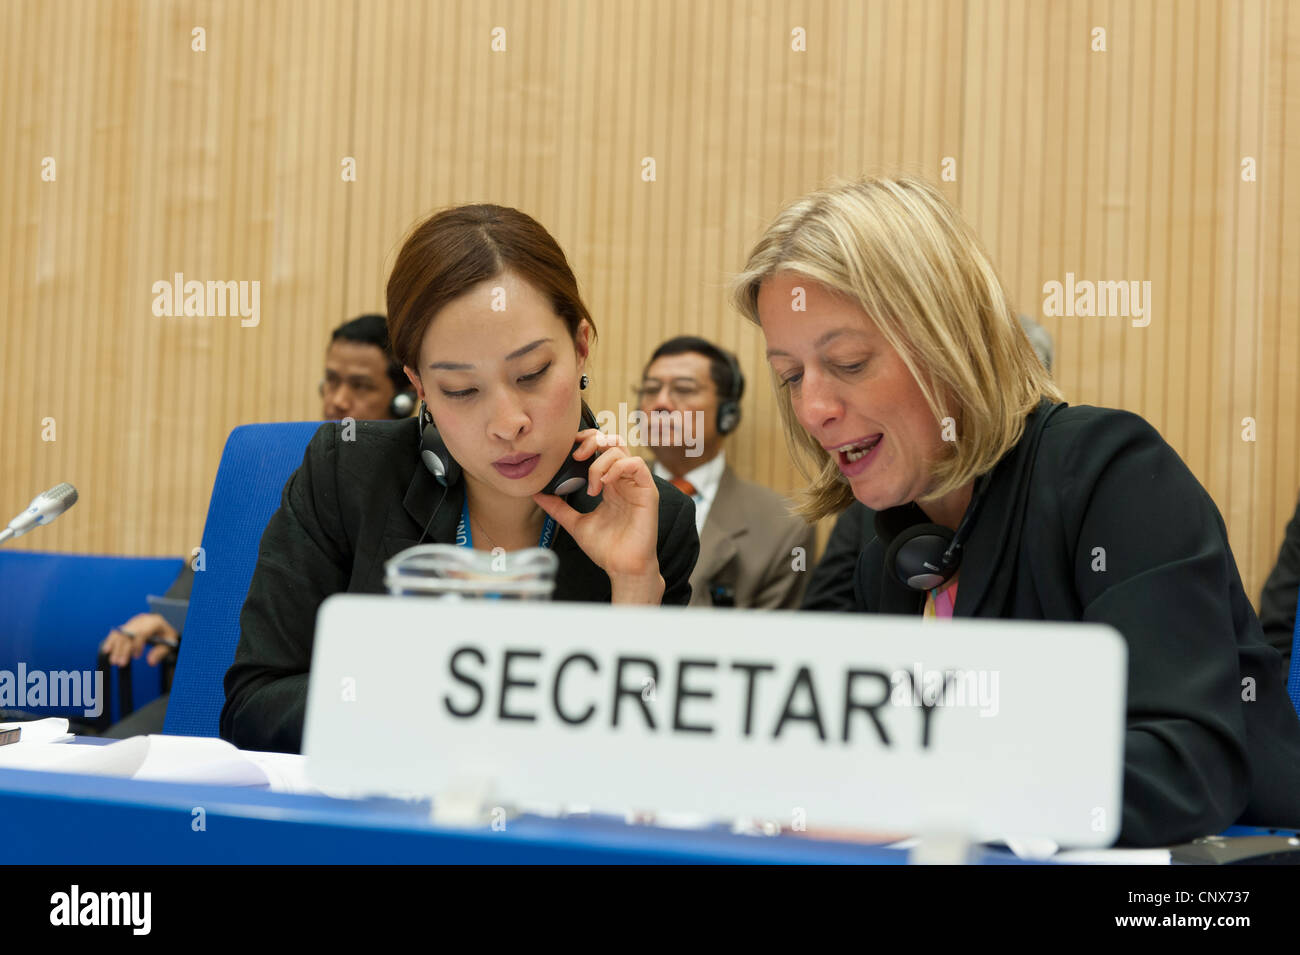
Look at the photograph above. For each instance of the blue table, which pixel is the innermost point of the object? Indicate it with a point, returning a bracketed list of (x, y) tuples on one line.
[(63, 818)]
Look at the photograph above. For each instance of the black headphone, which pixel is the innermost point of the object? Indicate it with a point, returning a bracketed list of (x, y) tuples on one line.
[(401, 405), (922, 556), (729, 406), (925, 556), (571, 477)]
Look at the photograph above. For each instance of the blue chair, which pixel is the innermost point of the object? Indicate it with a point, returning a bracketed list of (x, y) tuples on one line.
[(56, 609), (1293, 679), (257, 461)]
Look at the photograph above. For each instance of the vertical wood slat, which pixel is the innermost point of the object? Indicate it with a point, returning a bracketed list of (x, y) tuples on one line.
[(1277, 374), (1123, 165)]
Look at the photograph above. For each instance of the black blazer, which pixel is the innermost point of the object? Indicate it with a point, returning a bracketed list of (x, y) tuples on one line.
[(1211, 737), (349, 507), (831, 586)]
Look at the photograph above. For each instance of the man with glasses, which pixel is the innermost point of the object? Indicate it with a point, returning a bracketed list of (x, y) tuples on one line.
[(749, 542)]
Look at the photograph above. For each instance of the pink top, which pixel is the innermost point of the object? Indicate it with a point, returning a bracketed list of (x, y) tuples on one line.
[(942, 605)]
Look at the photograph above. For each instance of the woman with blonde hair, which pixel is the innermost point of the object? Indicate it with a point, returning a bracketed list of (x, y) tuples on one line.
[(905, 382)]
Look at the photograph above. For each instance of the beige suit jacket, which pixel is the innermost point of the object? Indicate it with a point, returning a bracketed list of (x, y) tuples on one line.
[(748, 546)]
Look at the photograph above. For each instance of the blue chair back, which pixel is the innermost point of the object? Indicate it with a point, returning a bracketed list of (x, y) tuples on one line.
[(255, 464), (55, 611), (1293, 679)]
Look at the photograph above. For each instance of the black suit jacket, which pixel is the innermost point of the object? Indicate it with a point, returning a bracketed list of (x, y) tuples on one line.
[(1211, 737), (348, 508), (831, 585)]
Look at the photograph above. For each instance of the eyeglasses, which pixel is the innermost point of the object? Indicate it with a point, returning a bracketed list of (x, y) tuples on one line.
[(679, 389)]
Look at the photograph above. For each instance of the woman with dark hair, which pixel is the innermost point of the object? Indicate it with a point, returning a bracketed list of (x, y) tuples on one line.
[(485, 316)]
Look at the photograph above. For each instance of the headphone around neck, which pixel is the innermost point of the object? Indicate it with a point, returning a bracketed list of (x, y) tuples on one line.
[(925, 556)]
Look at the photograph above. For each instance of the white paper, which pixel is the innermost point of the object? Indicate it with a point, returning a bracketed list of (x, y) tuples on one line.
[(158, 758), (123, 758), (51, 730), (285, 772), (197, 759)]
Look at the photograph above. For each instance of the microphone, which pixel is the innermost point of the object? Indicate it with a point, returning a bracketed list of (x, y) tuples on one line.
[(43, 509)]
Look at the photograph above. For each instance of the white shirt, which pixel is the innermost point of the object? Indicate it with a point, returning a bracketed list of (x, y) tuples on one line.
[(705, 479)]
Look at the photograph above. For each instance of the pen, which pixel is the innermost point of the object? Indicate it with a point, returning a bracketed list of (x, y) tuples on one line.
[(153, 641)]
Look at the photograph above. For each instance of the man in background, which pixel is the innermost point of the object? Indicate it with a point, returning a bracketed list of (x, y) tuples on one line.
[(362, 381), (747, 535)]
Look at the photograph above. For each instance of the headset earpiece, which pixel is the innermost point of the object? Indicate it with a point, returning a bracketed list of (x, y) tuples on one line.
[(572, 476), (729, 406), (403, 404), (434, 453), (728, 417)]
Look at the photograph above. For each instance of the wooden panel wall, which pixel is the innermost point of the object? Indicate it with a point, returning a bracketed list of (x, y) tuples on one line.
[(225, 164)]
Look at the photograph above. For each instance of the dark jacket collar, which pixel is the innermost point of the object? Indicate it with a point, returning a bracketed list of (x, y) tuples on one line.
[(426, 498)]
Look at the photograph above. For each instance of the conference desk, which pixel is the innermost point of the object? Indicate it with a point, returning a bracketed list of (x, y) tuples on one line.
[(65, 818)]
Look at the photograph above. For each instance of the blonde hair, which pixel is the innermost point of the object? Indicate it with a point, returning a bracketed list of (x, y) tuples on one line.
[(900, 251)]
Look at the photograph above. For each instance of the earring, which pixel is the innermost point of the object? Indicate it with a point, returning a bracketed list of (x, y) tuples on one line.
[(582, 382)]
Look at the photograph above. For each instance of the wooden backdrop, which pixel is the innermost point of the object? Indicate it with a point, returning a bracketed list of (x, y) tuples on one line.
[(225, 164)]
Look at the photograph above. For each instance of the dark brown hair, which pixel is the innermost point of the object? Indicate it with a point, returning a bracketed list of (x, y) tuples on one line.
[(455, 249)]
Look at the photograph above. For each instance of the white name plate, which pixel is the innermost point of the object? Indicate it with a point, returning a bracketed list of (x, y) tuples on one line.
[(994, 729)]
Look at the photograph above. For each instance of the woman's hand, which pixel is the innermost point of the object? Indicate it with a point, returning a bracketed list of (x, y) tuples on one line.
[(621, 535)]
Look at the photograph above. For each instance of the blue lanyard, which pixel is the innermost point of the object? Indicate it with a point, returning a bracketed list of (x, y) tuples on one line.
[(464, 537)]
